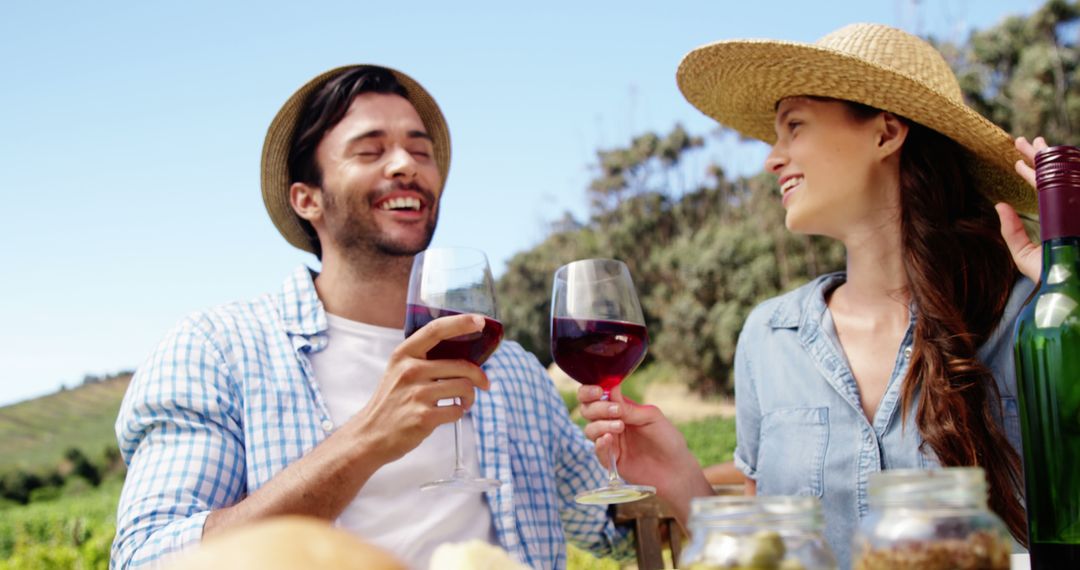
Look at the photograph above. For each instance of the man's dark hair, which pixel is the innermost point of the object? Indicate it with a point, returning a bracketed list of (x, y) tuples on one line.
[(322, 111)]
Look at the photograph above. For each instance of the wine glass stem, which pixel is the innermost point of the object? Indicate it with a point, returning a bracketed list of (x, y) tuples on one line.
[(613, 470), (458, 468)]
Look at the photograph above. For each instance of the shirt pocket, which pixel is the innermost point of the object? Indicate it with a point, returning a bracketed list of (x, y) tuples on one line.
[(791, 455)]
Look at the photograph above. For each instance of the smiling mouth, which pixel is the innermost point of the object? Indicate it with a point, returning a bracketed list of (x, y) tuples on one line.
[(407, 204), (790, 184)]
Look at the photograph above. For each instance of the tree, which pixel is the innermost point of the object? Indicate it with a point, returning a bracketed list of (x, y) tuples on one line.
[(1022, 74)]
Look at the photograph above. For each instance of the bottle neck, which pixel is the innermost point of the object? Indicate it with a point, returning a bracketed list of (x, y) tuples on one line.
[(1059, 212), (1060, 256)]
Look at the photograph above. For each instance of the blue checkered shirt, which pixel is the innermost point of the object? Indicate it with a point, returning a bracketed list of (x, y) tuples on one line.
[(228, 400)]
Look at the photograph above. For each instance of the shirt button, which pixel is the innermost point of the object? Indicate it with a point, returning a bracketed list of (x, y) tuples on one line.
[(328, 426), (907, 352)]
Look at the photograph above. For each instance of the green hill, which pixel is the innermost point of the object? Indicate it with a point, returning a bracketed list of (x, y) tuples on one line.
[(35, 434)]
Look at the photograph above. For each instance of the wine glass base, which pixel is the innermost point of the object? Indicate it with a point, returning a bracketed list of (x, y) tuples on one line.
[(615, 495), (462, 485)]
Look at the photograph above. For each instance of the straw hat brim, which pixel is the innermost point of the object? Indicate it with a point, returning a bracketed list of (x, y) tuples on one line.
[(739, 83), (275, 156)]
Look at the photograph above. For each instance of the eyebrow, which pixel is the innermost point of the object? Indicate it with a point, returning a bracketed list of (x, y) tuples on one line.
[(379, 133), (783, 115)]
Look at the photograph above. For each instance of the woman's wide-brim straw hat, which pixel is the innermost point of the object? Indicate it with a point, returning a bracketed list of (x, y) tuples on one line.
[(739, 83), (275, 157)]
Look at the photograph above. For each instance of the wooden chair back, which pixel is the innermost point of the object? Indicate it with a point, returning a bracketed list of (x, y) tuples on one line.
[(655, 528)]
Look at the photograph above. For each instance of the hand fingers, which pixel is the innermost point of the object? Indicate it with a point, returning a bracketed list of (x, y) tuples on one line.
[(588, 394), (438, 330), (1026, 149), (1026, 168), (604, 446), (449, 388), (1025, 253), (418, 370), (601, 410), (630, 413), (446, 414), (595, 430)]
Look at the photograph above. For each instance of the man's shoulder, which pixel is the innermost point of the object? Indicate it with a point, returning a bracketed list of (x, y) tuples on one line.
[(236, 318)]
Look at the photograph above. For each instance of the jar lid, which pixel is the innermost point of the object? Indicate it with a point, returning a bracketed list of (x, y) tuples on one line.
[(949, 486), (755, 511)]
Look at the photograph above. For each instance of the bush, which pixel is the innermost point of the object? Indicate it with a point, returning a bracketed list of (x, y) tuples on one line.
[(711, 440), (82, 467), (43, 494)]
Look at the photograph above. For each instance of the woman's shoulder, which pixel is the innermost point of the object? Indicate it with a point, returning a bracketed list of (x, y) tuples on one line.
[(998, 344), (1021, 290), (786, 309)]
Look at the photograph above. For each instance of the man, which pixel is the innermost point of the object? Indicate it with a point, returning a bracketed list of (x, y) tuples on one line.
[(309, 402)]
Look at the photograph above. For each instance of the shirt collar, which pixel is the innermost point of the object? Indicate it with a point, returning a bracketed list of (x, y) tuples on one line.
[(806, 303), (302, 312)]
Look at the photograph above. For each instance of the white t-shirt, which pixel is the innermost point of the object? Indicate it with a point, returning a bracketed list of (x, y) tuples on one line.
[(391, 511)]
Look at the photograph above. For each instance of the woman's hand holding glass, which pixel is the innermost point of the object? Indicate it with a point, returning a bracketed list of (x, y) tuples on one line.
[(649, 448)]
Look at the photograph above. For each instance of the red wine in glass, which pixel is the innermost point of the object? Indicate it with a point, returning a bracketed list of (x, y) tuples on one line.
[(598, 352), (474, 347)]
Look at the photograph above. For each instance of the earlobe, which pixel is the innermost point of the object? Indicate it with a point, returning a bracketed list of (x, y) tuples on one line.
[(306, 200)]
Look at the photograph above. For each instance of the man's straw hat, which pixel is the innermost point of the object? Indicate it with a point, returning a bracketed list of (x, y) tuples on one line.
[(740, 82), (275, 156)]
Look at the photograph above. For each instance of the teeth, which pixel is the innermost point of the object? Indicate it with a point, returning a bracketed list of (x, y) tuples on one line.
[(790, 183), (401, 204)]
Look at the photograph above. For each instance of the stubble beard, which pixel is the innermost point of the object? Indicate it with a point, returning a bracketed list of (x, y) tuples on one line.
[(363, 244)]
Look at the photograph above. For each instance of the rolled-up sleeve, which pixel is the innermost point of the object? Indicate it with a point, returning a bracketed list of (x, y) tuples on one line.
[(747, 410), (180, 432)]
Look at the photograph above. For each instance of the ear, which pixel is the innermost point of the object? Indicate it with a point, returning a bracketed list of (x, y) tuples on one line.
[(891, 134), (306, 200)]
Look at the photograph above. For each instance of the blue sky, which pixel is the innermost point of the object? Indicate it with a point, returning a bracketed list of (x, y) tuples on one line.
[(131, 136)]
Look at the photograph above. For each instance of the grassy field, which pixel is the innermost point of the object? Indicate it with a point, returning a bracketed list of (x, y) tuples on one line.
[(74, 531), (34, 434)]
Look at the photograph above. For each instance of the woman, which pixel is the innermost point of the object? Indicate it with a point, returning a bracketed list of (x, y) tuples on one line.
[(904, 359)]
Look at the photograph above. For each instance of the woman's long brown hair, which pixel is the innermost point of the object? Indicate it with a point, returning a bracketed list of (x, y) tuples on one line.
[(960, 274)]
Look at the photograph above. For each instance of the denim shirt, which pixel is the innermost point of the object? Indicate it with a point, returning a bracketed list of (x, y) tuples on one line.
[(801, 429)]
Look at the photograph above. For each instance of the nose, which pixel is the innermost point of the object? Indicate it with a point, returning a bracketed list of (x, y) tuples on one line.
[(401, 164), (777, 159)]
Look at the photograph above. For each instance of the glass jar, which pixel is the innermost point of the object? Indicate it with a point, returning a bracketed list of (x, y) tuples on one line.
[(760, 533), (930, 520)]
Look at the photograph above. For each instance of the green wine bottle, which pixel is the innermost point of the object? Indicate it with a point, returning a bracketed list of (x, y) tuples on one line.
[(1047, 354)]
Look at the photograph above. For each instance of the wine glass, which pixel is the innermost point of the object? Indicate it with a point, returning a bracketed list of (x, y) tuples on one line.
[(446, 282), (598, 337)]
